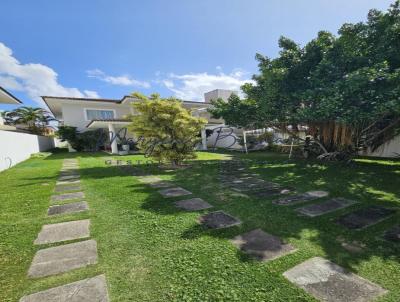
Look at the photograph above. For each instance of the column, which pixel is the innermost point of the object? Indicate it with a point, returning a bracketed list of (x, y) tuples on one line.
[(204, 138), (112, 133)]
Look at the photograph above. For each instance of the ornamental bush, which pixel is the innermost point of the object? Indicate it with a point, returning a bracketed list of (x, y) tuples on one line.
[(168, 132)]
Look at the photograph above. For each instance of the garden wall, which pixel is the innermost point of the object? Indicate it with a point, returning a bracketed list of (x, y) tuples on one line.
[(16, 147), (389, 149)]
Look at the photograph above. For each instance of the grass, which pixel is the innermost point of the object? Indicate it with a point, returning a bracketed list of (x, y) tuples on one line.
[(151, 251)]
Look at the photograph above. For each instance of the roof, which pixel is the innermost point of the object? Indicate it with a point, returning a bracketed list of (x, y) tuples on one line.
[(81, 99), (53, 102), (8, 98)]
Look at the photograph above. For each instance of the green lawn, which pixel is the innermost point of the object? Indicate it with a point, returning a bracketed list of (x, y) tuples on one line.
[(151, 251)]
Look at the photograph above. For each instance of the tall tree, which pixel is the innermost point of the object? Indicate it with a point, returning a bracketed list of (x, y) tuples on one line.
[(346, 89)]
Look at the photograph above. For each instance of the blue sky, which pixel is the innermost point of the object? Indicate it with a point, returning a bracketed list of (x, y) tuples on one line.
[(111, 48)]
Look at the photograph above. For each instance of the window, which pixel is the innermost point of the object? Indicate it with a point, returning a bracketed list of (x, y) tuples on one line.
[(99, 114)]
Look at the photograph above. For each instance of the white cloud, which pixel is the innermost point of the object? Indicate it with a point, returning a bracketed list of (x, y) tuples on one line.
[(32, 78), (168, 83), (123, 80), (193, 86), (91, 94)]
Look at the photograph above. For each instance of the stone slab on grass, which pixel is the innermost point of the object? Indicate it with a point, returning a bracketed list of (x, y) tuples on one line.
[(161, 184), (66, 188), (174, 192), (72, 162), (245, 187), (64, 258), (69, 208), (262, 246), (63, 231), (365, 217), (67, 196), (294, 199), (87, 290), (68, 182), (393, 234), (325, 207), (318, 194), (69, 177), (327, 281), (193, 204), (270, 192), (149, 179), (219, 220), (73, 173), (70, 166)]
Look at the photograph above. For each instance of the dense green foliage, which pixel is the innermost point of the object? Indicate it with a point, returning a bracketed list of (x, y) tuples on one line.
[(35, 119), (85, 141), (168, 131), (336, 85)]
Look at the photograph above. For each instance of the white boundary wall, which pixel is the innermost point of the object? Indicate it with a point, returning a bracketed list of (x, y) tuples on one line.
[(16, 147), (388, 149)]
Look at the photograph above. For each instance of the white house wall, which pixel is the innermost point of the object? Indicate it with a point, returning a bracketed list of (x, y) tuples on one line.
[(74, 114), (16, 147)]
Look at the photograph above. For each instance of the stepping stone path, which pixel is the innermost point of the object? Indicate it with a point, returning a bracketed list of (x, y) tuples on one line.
[(364, 217), (69, 177), (65, 188), (262, 246), (66, 196), (68, 208), (64, 258), (271, 191), (295, 199), (174, 192), (235, 177), (327, 281), (67, 257), (149, 179), (219, 220), (68, 182), (87, 290), (193, 204), (161, 184), (319, 277), (328, 206), (63, 231), (393, 234)]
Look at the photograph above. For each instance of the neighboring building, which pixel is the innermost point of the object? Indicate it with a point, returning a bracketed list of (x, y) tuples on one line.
[(218, 94), (8, 98), (111, 114)]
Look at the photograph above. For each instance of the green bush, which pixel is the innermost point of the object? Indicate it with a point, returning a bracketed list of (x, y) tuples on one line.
[(85, 141)]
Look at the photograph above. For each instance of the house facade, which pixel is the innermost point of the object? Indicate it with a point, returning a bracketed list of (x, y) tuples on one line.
[(112, 114)]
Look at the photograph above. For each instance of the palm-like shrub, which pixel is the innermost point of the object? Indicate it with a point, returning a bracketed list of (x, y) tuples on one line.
[(34, 118)]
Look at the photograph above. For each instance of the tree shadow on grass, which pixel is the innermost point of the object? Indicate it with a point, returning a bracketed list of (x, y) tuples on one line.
[(369, 183), (317, 236)]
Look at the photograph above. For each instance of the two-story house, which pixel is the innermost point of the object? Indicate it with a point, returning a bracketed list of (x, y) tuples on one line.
[(111, 114)]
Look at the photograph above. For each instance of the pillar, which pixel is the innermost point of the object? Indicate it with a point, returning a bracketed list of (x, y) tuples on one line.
[(204, 138), (113, 139)]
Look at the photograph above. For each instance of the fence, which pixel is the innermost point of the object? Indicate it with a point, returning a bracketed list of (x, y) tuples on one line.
[(16, 147)]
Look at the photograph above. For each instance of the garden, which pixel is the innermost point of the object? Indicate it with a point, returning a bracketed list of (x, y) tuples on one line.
[(150, 249), (172, 223)]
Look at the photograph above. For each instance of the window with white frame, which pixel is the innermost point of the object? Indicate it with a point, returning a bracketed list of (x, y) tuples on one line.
[(99, 114)]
